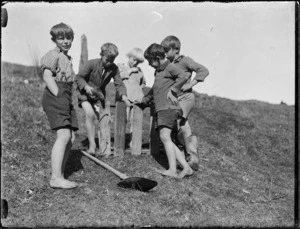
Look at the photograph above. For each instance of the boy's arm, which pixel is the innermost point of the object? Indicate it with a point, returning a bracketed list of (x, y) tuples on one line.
[(201, 73), (120, 87), (180, 80), (83, 75), (145, 101), (148, 97), (49, 66), (50, 81)]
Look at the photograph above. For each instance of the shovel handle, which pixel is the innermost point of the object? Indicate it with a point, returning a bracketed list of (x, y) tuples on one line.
[(116, 172)]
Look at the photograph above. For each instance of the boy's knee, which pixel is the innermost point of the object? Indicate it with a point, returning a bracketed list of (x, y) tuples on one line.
[(64, 135), (89, 111), (186, 130), (164, 137), (90, 116)]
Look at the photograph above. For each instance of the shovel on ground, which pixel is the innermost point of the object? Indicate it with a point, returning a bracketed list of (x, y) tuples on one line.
[(138, 183)]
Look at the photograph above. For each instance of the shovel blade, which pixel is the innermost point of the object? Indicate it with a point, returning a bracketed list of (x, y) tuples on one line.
[(138, 183)]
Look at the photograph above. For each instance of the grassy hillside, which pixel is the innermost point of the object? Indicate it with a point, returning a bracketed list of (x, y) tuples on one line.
[(246, 175)]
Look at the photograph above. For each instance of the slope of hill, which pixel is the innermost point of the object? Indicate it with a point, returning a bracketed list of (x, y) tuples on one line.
[(246, 175)]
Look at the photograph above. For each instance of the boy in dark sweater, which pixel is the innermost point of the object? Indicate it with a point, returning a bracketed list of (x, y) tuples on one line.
[(168, 82)]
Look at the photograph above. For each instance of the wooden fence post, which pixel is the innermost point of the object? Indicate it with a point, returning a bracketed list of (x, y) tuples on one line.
[(137, 130), (154, 134), (120, 129), (104, 130)]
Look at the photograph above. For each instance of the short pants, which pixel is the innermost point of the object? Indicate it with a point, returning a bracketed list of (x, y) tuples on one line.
[(187, 103), (168, 118), (59, 109)]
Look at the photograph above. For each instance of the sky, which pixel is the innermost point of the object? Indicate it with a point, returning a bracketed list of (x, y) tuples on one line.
[(248, 47)]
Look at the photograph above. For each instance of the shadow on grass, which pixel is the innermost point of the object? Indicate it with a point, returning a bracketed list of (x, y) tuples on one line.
[(85, 143), (160, 156), (145, 145), (74, 163)]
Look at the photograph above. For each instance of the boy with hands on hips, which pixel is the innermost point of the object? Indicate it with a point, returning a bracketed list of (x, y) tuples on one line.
[(186, 97)]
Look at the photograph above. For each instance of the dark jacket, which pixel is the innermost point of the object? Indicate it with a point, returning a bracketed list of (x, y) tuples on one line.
[(94, 74)]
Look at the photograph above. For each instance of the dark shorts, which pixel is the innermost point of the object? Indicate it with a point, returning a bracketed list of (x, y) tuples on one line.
[(59, 109), (168, 118)]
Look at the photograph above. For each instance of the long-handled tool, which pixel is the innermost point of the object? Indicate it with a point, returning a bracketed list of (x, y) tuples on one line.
[(139, 183)]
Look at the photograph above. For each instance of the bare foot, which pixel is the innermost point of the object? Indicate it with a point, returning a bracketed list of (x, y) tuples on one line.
[(91, 150), (186, 172), (62, 183), (167, 173), (194, 162), (194, 165)]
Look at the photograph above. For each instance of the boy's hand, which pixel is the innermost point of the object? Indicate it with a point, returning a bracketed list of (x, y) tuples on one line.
[(186, 87), (171, 96), (89, 89), (99, 95), (189, 86), (126, 100), (137, 101)]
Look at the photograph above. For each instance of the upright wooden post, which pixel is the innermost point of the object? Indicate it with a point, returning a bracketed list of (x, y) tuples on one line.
[(120, 129), (104, 130), (84, 52), (137, 130), (154, 134)]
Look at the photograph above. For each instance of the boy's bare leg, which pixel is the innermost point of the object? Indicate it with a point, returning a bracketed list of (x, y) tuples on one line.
[(165, 136), (190, 147), (130, 119), (186, 129), (67, 151), (90, 118), (57, 156), (187, 170)]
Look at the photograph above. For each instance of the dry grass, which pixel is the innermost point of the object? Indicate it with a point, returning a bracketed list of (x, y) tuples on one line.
[(246, 176), (36, 60)]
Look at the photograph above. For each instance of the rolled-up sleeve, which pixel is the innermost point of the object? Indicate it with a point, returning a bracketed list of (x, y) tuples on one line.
[(50, 61), (83, 75), (201, 71)]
